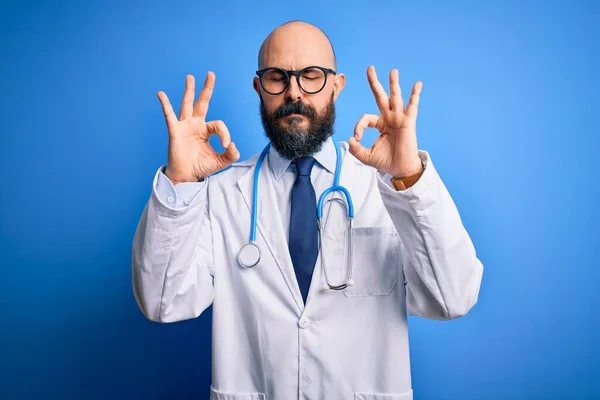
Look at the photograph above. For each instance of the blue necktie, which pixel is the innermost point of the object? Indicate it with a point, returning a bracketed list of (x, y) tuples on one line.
[(303, 225)]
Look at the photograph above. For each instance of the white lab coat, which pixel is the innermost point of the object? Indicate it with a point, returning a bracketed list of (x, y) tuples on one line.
[(411, 253)]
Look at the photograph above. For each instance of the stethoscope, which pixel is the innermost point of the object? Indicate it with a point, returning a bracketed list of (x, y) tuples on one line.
[(249, 254)]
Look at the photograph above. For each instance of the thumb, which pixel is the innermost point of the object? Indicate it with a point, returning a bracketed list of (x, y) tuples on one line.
[(230, 155), (358, 150)]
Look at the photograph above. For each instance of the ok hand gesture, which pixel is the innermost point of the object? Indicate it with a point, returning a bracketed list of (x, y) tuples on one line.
[(395, 150), (191, 156)]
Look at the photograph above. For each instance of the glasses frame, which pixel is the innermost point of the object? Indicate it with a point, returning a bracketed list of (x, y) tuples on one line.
[(296, 73)]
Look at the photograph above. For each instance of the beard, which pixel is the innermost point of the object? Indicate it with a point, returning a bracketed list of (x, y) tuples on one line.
[(295, 139)]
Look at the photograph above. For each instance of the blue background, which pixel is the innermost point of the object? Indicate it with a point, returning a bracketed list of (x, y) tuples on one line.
[(508, 113)]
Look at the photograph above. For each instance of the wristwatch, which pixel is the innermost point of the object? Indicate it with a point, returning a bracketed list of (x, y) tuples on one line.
[(407, 181)]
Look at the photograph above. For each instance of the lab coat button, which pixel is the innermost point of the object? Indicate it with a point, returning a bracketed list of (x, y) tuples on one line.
[(186, 201), (304, 322), (170, 199)]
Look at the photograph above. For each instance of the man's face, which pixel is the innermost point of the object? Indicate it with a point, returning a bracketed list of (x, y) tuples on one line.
[(296, 122)]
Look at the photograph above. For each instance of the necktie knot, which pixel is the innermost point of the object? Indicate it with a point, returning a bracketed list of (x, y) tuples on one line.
[(304, 165)]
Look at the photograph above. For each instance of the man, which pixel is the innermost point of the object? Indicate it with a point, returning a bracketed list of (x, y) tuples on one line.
[(290, 322)]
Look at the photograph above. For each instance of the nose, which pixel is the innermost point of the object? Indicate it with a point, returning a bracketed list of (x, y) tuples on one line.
[(293, 91)]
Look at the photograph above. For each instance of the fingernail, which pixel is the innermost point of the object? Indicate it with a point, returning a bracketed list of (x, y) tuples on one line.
[(226, 144)]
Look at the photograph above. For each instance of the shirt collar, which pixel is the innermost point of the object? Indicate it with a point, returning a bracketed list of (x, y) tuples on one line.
[(326, 157)]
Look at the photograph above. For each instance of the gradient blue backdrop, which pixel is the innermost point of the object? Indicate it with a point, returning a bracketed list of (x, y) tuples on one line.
[(508, 112)]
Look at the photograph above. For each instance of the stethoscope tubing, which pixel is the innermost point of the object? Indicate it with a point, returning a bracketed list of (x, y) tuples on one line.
[(335, 188)]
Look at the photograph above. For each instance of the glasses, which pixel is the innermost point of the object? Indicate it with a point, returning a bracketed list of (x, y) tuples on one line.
[(310, 79)]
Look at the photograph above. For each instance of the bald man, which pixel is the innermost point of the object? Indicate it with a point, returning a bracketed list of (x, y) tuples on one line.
[(310, 286)]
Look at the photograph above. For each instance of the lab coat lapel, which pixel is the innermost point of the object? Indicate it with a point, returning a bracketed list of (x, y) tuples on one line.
[(270, 226)]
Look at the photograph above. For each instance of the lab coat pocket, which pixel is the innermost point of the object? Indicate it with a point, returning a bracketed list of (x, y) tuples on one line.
[(217, 395), (375, 258), (384, 396)]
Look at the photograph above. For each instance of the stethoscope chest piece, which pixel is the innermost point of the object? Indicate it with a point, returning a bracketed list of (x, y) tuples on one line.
[(249, 255)]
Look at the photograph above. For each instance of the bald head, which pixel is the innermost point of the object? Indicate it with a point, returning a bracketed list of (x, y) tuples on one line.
[(295, 45)]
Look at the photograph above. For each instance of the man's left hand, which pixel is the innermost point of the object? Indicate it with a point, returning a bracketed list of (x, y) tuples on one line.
[(395, 150)]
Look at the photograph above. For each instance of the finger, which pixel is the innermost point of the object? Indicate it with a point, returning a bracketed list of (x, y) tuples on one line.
[(413, 103), (367, 120), (381, 96), (201, 106), (219, 128), (229, 156), (396, 102), (170, 117), (359, 151), (188, 98)]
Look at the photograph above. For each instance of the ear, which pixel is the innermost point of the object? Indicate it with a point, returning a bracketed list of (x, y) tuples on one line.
[(256, 85), (338, 85)]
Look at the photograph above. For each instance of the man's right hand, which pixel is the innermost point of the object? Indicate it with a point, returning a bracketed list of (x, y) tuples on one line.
[(191, 157)]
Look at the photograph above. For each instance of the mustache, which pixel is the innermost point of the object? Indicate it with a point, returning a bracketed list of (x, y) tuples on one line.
[(294, 108)]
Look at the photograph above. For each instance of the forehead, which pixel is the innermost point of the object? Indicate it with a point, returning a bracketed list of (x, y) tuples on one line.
[(297, 48)]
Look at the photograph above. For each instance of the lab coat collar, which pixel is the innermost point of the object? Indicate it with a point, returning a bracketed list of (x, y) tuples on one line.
[(326, 157)]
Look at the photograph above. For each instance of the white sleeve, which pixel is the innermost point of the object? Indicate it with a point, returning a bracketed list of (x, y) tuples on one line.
[(176, 196), (172, 261), (443, 274)]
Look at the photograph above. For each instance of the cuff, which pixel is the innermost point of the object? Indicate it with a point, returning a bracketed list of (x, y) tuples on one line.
[(177, 196), (415, 195)]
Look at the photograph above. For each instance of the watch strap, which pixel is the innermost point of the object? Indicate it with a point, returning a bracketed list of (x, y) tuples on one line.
[(407, 181)]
